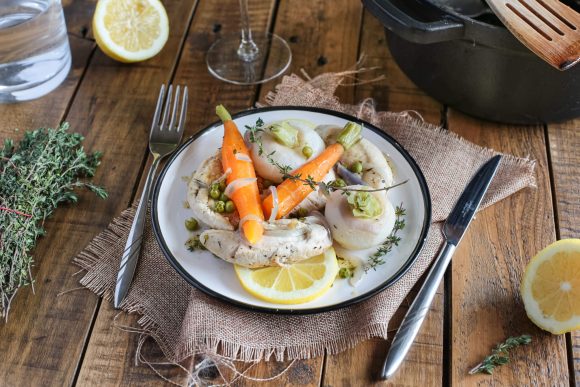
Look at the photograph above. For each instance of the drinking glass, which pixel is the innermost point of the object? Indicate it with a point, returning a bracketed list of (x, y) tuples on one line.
[(251, 58), (34, 50)]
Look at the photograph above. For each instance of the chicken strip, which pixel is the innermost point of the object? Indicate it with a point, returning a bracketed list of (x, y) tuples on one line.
[(376, 170), (198, 194), (285, 241)]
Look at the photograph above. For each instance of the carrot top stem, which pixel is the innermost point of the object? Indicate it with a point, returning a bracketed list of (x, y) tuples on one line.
[(350, 135), (222, 113)]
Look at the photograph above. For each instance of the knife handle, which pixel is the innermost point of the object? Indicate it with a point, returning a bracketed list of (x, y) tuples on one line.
[(134, 241), (416, 314)]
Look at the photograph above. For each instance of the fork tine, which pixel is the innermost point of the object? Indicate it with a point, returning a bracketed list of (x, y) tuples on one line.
[(175, 104), (158, 108), (183, 114), (167, 106)]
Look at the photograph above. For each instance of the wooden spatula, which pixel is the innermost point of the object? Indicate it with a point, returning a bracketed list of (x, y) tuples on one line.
[(549, 28)]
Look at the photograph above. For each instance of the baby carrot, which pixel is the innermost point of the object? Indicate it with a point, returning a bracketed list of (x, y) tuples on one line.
[(291, 191), (247, 197)]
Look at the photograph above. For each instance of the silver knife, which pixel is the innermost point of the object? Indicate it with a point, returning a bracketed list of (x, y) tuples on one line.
[(453, 230)]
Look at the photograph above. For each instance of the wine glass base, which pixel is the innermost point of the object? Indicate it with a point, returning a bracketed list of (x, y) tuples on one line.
[(273, 59)]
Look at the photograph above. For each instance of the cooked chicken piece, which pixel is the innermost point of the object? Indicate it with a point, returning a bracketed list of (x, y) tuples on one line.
[(285, 241), (198, 194), (376, 170)]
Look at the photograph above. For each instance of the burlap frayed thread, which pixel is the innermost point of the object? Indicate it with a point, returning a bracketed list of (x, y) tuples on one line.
[(184, 321)]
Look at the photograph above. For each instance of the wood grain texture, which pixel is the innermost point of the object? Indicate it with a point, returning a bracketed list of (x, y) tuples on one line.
[(323, 36), (564, 145), (362, 364), (44, 342), (488, 266)]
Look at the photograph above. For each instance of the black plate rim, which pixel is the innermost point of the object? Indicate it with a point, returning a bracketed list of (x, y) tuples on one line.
[(391, 281)]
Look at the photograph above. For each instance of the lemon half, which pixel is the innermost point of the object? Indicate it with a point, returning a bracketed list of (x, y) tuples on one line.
[(551, 287), (291, 284), (130, 30)]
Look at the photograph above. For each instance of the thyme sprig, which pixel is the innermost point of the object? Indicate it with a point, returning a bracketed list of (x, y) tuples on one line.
[(392, 240), (500, 354), (35, 177)]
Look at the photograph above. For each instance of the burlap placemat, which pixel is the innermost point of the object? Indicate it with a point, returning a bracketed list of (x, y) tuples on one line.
[(184, 321)]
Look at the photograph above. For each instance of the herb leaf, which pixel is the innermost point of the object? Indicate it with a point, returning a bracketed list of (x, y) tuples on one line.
[(392, 240), (500, 354)]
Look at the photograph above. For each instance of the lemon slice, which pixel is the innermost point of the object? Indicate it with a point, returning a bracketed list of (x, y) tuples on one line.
[(292, 284), (551, 287), (130, 30)]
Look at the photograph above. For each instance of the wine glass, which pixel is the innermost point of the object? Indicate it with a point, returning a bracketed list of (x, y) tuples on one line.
[(251, 59)]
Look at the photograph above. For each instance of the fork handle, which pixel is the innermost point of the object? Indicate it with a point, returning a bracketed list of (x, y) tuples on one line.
[(135, 239)]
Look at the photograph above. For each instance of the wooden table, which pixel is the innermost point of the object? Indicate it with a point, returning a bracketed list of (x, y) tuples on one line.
[(53, 339)]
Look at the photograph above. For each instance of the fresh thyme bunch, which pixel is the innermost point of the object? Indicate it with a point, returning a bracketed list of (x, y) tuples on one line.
[(35, 177)]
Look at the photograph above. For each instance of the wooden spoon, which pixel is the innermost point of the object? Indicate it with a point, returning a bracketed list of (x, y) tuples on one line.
[(549, 28)]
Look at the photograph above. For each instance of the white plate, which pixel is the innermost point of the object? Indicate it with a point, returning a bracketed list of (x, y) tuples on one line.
[(217, 278)]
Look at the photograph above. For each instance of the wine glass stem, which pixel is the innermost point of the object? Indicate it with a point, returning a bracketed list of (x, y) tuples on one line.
[(248, 50)]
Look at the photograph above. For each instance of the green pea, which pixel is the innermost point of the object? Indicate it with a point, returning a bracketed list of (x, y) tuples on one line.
[(214, 187), (224, 198), (339, 183), (230, 206), (222, 185), (219, 206), (215, 194), (307, 151), (356, 167), (191, 224)]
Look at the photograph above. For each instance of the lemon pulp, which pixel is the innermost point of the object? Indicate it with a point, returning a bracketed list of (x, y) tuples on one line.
[(291, 284), (551, 287), (130, 30)]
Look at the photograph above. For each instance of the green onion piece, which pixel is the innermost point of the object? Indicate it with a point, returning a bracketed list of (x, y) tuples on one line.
[(285, 134), (350, 135), (364, 205)]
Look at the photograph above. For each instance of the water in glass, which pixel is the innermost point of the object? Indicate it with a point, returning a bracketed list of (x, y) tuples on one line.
[(34, 50)]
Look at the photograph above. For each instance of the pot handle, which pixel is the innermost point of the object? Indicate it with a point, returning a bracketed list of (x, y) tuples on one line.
[(409, 27)]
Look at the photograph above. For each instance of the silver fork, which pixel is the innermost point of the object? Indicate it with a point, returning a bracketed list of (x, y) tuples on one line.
[(163, 140)]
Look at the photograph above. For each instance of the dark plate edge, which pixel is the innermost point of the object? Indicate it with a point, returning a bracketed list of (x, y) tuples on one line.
[(185, 275)]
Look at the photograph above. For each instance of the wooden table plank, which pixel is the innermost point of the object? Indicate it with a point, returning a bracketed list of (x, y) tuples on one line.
[(363, 363), (488, 266), (564, 145), (45, 340)]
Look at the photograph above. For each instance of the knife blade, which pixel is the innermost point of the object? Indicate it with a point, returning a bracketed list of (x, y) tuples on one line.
[(453, 230)]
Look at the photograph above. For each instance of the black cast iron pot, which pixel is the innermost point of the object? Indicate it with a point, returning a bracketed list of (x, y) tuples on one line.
[(460, 53)]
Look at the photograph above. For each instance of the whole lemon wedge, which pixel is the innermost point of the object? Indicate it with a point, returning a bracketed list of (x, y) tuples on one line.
[(551, 287), (130, 30), (291, 284)]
